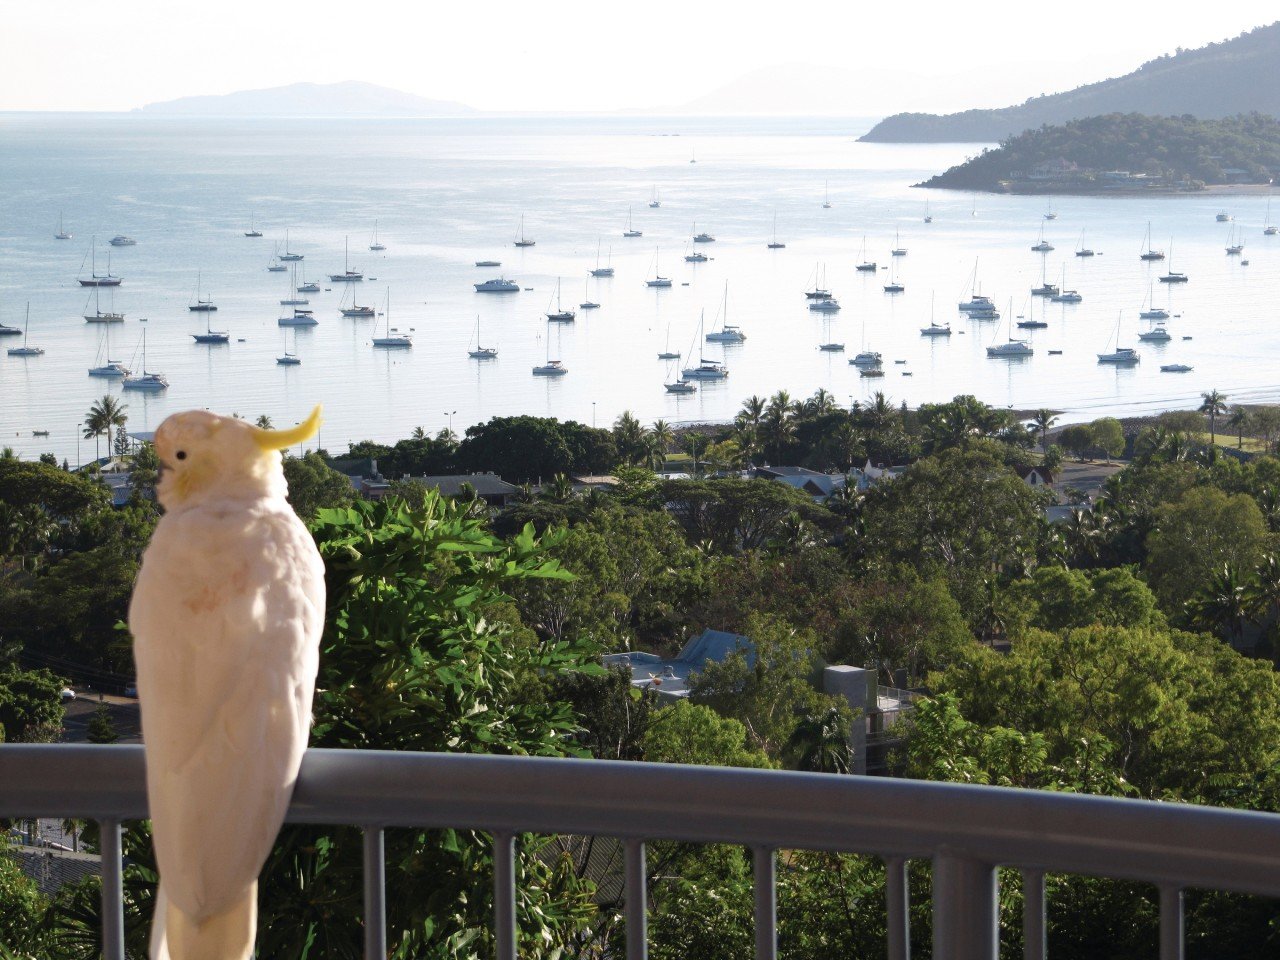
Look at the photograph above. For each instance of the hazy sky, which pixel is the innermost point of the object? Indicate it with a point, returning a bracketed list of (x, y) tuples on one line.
[(569, 55)]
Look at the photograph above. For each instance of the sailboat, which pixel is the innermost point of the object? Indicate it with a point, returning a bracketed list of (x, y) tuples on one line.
[(935, 329), (25, 350), (559, 315), (828, 345), (106, 367), (521, 239), (376, 245), (867, 360), (348, 275), (1011, 349), (355, 312), (550, 368), (631, 231), (201, 306), (680, 384), (1081, 249), (99, 315), (865, 265), (291, 298), (587, 303), (658, 279), (1121, 356), (299, 318), (1030, 322), (61, 234), (928, 217), (274, 267), (728, 332), (1048, 213), (774, 244), (1269, 229), (96, 280), (667, 353), (211, 336), (820, 297), (307, 286), (898, 249), (1042, 245), (826, 196), (1147, 252), (290, 358), (146, 381), (287, 256), (1150, 311), (1234, 248), (706, 369), (252, 231), (481, 353), (606, 271), (894, 285), (1046, 289), (392, 341), (1173, 276), (655, 203)]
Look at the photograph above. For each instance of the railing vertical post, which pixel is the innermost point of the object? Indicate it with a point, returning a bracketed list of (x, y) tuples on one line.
[(965, 909), (637, 902), (1034, 942), (504, 894), (766, 892), (112, 890), (897, 899), (375, 895), (1171, 923)]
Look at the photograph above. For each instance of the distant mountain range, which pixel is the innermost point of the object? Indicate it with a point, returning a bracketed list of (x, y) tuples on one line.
[(1222, 79), (349, 99)]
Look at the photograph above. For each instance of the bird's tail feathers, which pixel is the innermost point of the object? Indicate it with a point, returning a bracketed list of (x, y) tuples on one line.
[(225, 936)]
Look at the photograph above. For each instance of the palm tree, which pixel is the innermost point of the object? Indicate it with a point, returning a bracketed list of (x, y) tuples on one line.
[(658, 440), (263, 421), (103, 417), (1223, 604), (821, 743), (558, 490), (1043, 420), (780, 405), (1239, 420), (1262, 594), (820, 404), (1214, 404), (629, 436), (752, 411), (418, 434)]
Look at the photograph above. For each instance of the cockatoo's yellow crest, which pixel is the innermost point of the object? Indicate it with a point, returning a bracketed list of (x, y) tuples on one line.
[(206, 456), (282, 439)]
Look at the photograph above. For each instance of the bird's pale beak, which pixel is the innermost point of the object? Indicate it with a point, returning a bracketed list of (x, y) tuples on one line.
[(281, 439)]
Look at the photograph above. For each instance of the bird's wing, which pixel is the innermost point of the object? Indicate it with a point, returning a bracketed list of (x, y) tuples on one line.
[(226, 615)]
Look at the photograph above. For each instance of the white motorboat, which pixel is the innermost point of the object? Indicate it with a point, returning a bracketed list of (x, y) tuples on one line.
[(867, 358), (488, 263), (1067, 296), (830, 305), (1157, 334), (552, 368), (1010, 349), (1176, 368), (499, 285), (120, 240), (299, 318), (681, 386)]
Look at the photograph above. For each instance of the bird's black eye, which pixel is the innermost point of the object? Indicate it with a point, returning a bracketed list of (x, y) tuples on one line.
[(181, 454)]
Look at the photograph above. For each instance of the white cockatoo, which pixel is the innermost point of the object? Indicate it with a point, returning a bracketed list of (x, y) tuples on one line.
[(226, 618)]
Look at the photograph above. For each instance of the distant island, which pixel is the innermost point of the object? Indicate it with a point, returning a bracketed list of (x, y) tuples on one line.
[(349, 99), (1125, 153), (1220, 80)]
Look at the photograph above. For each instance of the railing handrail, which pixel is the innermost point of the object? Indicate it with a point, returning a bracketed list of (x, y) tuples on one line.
[(1169, 844)]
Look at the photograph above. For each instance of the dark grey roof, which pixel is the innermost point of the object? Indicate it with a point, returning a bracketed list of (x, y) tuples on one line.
[(485, 484), (769, 473)]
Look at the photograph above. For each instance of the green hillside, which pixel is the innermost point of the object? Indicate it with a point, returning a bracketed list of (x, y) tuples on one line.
[(1220, 80), (1125, 152)]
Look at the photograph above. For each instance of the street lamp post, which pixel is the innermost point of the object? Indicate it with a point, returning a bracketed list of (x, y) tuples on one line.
[(449, 414), (78, 426), (593, 414)]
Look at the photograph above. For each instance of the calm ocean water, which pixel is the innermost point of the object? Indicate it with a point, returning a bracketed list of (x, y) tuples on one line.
[(448, 193)]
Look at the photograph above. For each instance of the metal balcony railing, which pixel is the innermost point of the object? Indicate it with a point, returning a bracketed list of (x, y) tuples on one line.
[(966, 831)]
